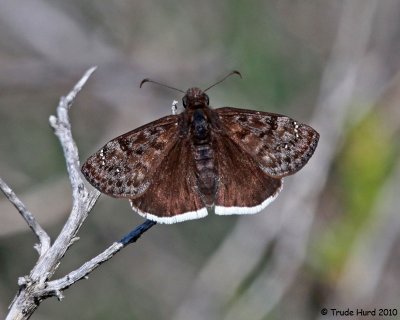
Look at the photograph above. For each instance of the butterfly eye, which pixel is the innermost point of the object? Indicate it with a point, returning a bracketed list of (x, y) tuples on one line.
[(184, 101)]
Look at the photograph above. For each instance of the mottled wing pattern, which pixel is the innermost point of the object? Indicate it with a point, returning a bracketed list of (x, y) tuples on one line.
[(243, 187), (172, 196), (123, 168), (280, 145)]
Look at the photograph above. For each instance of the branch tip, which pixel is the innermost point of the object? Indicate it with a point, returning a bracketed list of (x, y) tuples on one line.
[(59, 295), (42, 236)]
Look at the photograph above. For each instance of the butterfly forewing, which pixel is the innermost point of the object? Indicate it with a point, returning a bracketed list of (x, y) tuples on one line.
[(280, 145), (125, 165)]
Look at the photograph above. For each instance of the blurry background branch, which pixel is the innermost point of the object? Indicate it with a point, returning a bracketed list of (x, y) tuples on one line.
[(37, 287), (287, 225), (334, 62), (370, 253), (337, 91)]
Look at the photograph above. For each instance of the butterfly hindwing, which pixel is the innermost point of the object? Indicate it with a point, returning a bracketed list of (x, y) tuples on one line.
[(173, 195), (123, 168), (280, 145), (243, 187)]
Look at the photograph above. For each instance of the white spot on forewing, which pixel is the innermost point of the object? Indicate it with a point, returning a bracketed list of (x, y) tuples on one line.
[(296, 131), (146, 133), (102, 157), (220, 210), (140, 175), (201, 213)]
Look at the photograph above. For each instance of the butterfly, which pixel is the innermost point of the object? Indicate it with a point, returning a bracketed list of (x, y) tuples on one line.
[(177, 167)]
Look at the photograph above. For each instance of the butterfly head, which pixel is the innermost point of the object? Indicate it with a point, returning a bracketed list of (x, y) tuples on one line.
[(195, 98)]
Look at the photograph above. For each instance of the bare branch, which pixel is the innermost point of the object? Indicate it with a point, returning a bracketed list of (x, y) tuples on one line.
[(82, 200), (44, 239), (57, 286), (36, 286), (62, 129)]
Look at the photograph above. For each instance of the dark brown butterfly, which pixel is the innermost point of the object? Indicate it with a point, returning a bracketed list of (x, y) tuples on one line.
[(177, 167)]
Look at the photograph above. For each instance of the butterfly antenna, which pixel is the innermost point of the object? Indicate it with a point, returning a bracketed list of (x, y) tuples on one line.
[(160, 84), (228, 75)]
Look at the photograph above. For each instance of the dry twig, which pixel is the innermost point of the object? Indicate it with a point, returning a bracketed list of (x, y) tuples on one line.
[(37, 286), (44, 239)]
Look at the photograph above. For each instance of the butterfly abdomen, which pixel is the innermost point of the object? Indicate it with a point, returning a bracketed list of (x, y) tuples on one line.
[(203, 156)]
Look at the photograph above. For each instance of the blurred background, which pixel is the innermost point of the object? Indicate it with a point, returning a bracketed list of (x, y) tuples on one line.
[(331, 240)]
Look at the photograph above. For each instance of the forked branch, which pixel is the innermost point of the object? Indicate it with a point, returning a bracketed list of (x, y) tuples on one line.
[(36, 286), (43, 237)]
